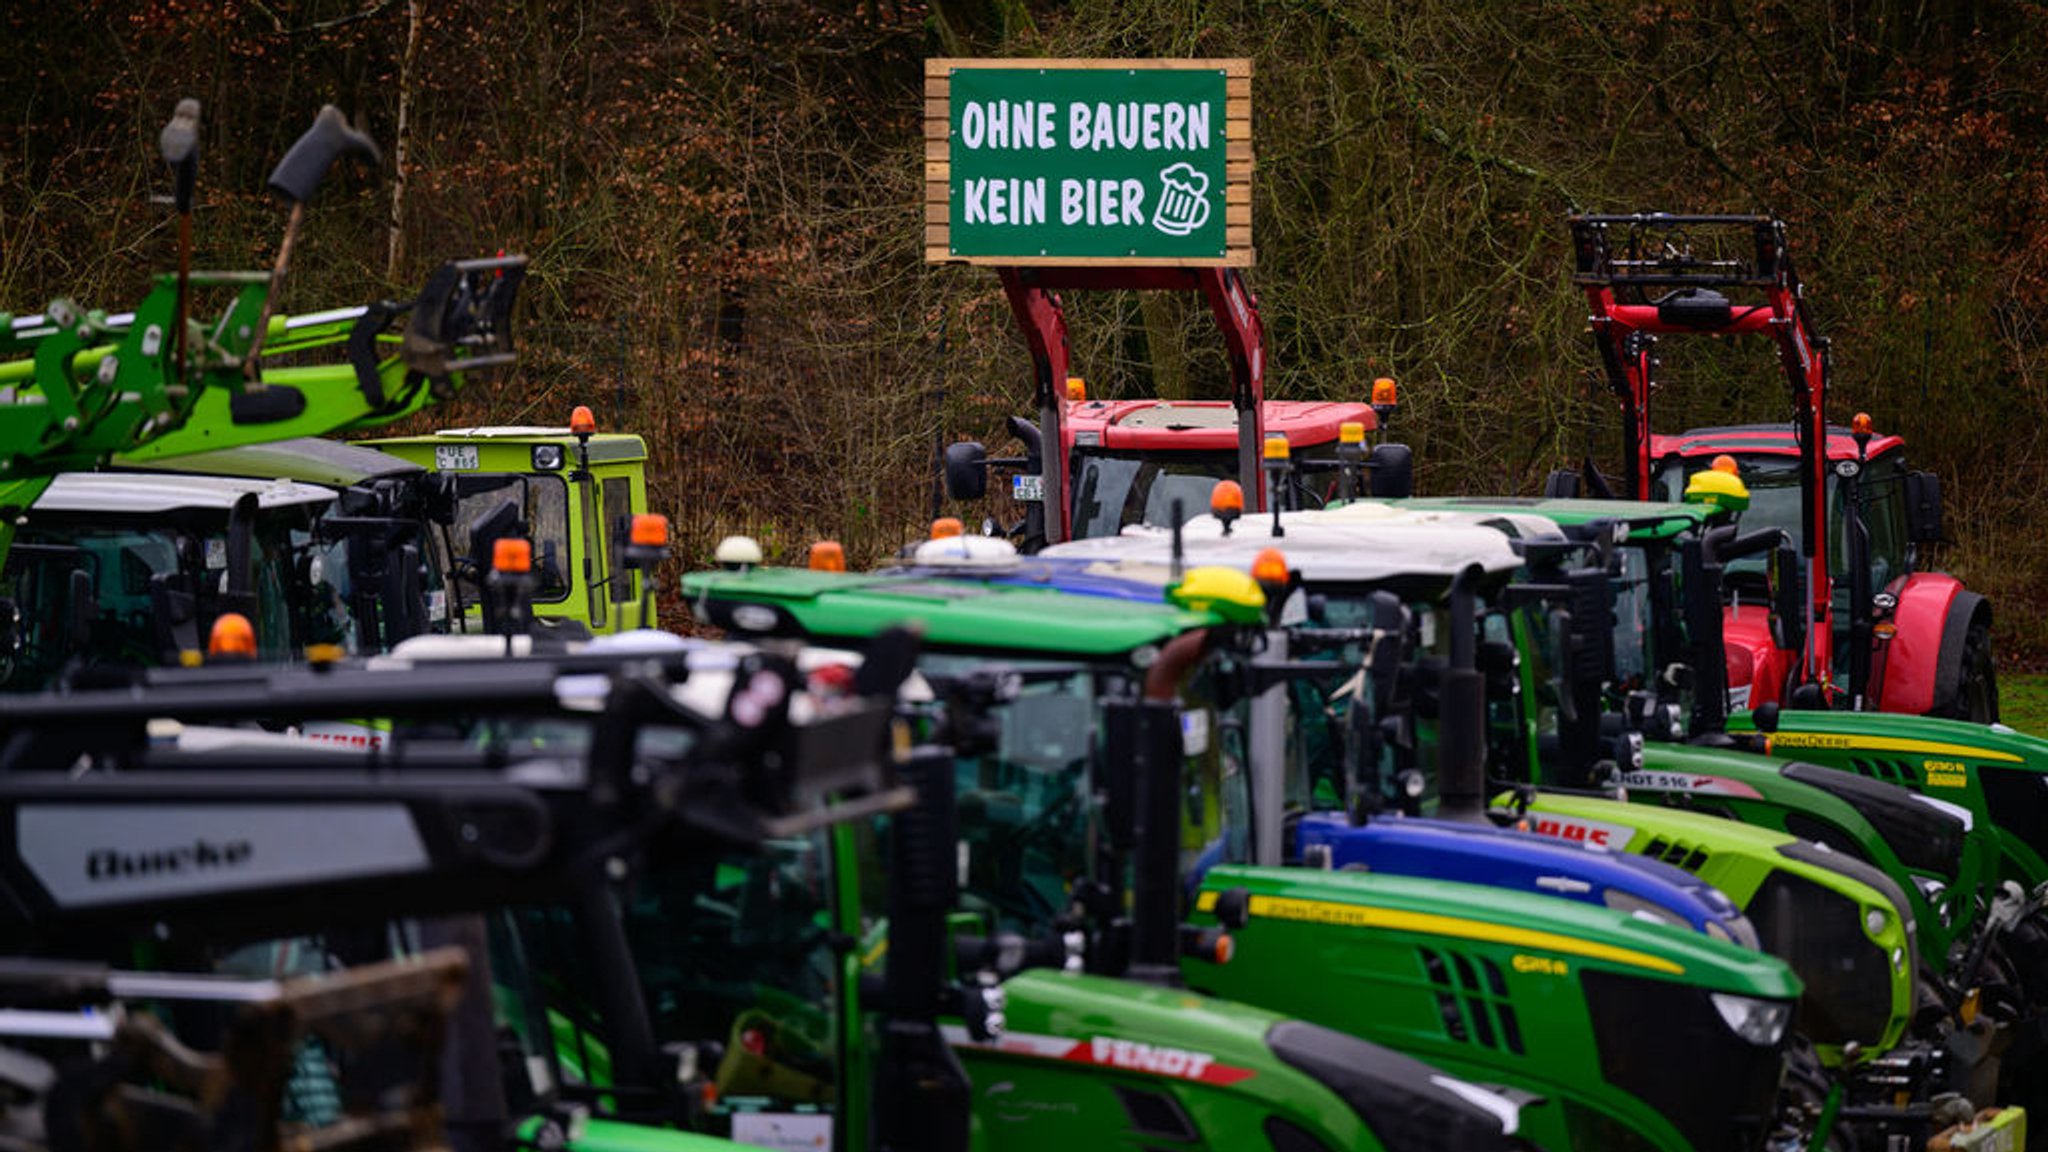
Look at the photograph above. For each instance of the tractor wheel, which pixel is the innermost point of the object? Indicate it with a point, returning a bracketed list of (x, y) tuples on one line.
[(1976, 698)]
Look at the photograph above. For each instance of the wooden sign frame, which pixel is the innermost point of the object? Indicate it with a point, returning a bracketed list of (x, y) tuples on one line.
[(938, 156)]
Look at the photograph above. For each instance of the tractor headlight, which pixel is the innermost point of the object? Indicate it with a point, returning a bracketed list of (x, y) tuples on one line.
[(1761, 1022), (547, 457)]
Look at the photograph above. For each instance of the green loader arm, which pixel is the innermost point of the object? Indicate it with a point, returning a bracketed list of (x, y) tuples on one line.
[(93, 387)]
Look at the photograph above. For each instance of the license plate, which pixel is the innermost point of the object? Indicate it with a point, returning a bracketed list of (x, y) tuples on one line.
[(1027, 487), (455, 457)]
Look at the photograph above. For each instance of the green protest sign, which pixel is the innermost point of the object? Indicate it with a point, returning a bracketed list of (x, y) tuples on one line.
[(1088, 162)]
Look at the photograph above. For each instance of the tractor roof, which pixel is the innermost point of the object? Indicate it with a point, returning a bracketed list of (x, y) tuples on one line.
[(605, 447), (1362, 543), (1762, 439), (1645, 520), (954, 610), (306, 459), (1199, 425), (132, 494)]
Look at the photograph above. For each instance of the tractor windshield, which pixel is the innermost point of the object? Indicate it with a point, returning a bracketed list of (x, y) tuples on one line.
[(490, 505), (1116, 489), (120, 593), (1024, 801), (737, 966), (1774, 503)]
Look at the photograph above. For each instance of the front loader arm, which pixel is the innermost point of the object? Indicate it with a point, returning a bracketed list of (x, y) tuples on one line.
[(460, 324), (89, 387), (1689, 260)]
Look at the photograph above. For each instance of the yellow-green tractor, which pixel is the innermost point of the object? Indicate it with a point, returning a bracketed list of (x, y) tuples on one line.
[(570, 489)]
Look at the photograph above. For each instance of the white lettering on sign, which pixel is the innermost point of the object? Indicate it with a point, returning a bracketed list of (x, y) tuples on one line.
[(1156, 1059), (1011, 201), (1102, 201), (1013, 124), (1169, 127)]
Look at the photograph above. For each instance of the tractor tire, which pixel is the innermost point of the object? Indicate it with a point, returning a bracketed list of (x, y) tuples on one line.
[(1976, 696)]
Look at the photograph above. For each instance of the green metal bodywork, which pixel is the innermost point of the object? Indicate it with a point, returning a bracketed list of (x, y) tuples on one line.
[(1874, 968), (1374, 984), (1999, 774), (1486, 983), (580, 512), (1074, 1048)]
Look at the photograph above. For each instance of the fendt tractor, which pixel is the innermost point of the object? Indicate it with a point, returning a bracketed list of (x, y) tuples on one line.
[(1092, 466), (1915, 641), (1356, 944)]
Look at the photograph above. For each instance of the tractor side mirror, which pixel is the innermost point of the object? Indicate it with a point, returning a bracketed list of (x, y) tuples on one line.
[(966, 466), (1561, 484), (1788, 598), (1923, 507), (1392, 467)]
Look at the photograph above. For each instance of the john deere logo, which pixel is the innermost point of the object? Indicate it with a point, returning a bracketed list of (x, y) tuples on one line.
[(200, 855)]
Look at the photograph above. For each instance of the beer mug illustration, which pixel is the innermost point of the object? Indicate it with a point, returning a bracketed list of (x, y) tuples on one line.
[(1183, 201)]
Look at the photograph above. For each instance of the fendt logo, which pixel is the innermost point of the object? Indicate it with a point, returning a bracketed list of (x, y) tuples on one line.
[(200, 855)]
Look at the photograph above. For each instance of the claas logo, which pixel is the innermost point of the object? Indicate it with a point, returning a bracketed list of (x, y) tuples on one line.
[(1574, 832)]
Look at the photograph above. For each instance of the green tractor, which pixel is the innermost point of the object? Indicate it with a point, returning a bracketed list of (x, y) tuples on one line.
[(1846, 927), (1665, 684), (1353, 950)]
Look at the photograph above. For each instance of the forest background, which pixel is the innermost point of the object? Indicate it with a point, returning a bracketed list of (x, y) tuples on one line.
[(721, 199)]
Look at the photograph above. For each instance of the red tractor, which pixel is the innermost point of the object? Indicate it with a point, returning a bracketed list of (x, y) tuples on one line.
[(1122, 462), (1915, 641)]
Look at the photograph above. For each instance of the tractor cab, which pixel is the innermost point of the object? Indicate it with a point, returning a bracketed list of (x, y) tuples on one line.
[(129, 571), (375, 541), (1132, 459), (572, 491), (1900, 507), (1093, 467)]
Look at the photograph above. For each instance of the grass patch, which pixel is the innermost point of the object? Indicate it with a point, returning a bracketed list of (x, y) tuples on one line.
[(2023, 701)]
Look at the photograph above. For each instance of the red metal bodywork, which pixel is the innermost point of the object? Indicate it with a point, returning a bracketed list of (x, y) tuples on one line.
[(1305, 423), (1903, 669), (1762, 440), (1034, 299), (1756, 667)]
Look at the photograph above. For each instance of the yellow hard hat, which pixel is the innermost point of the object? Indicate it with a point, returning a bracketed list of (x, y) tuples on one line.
[(1717, 488)]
